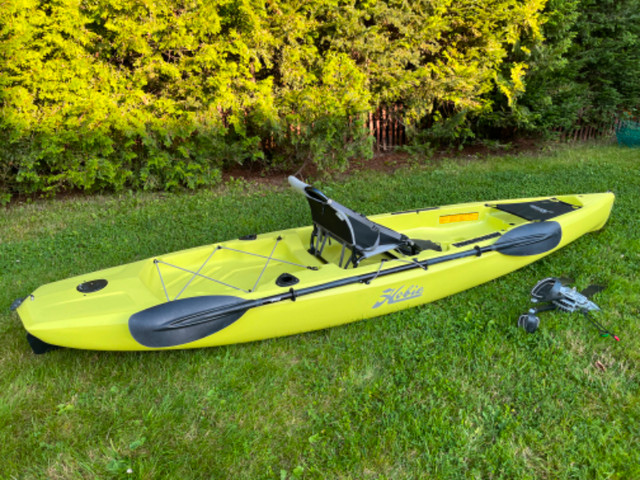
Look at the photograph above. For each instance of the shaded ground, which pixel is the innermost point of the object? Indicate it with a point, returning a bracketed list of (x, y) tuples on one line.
[(390, 161)]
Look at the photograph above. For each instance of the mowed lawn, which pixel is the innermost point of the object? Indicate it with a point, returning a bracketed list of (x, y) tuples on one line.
[(450, 390)]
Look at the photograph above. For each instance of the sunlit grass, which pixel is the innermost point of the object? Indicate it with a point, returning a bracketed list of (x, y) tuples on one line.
[(448, 390)]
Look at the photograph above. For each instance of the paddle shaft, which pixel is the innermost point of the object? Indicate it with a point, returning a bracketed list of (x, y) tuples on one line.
[(209, 315), (187, 320)]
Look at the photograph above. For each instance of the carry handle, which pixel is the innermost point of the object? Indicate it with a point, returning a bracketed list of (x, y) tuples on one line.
[(298, 184), (308, 190)]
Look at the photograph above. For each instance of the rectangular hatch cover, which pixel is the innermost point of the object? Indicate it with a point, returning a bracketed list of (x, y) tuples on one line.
[(540, 210)]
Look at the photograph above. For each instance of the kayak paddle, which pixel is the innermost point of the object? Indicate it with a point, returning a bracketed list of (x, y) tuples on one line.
[(189, 319)]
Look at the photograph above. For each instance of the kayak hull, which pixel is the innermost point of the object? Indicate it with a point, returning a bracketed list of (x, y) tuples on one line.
[(247, 271)]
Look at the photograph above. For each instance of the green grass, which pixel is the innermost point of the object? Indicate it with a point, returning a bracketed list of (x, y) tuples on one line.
[(448, 390)]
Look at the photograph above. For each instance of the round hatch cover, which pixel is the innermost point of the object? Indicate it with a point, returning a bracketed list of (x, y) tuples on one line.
[(92, 286), (286, 280)]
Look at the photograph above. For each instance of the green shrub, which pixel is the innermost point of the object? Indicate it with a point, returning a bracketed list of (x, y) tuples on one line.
[(606, 54), (107, 95), (587, 69)]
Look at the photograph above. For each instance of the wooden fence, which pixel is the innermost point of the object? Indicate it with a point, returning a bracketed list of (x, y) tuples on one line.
[(387, 128), (385, 124), (582, 132)]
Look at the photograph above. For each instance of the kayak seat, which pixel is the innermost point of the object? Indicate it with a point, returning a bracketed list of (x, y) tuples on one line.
[(355, 232)]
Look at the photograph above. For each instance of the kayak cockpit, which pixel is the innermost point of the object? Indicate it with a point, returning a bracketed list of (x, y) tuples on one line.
[(360, 240), (340, 238)]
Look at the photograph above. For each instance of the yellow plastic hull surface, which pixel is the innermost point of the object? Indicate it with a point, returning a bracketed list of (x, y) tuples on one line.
[(59, 314)]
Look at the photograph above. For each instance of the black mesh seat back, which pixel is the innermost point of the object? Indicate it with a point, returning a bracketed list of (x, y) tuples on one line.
[(369, 233), (326, 217), (350, 227)]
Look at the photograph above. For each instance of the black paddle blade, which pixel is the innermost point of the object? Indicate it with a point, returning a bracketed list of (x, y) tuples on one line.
[(186, 320), (530, 239)]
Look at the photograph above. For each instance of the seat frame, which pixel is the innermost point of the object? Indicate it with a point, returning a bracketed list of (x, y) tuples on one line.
[(363, 237)]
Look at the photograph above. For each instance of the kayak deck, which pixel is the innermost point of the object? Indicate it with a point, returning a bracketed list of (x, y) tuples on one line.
[(254, 265)]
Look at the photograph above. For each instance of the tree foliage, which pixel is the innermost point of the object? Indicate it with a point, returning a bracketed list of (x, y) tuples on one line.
[(605, 56), (161, 94), (587, 68)]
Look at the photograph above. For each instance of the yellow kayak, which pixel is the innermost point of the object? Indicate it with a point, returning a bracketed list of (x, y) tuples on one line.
[(343, 268)]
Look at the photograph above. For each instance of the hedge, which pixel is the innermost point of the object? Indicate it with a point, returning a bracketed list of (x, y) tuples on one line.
[(163, 94)]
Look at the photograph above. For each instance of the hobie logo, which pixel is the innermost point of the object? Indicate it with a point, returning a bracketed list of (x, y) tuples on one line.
[(401, 294)]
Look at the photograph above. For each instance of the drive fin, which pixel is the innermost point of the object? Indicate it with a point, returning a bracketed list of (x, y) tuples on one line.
[(591, 290)]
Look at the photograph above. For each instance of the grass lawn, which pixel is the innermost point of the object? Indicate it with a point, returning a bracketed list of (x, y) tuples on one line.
[(448, 390)]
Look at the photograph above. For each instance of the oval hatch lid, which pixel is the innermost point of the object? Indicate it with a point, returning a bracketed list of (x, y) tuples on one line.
[(92, 286)]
